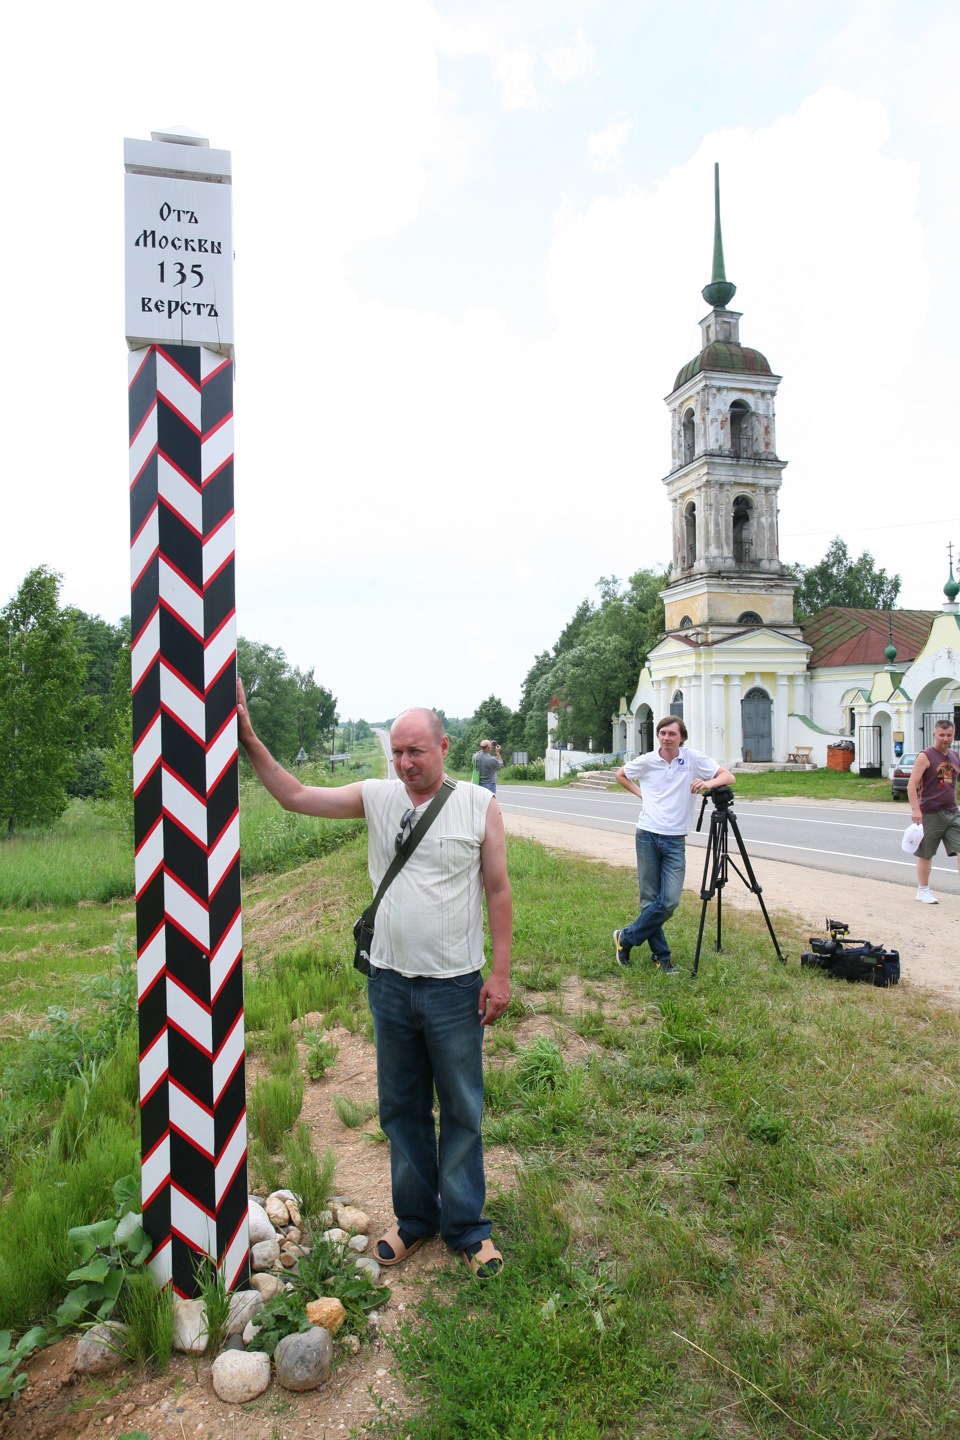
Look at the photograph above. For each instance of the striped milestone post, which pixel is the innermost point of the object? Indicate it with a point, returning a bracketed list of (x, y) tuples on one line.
[(183, 658)]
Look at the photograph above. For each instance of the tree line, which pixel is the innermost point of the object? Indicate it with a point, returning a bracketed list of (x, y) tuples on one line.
[(65, 710), (598, 655)]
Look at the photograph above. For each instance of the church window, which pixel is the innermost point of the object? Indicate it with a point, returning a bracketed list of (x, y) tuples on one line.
[(686, 623), (690, 533), (676, 704), (749, 617), (740, 428), (742, 530), (689, 441)]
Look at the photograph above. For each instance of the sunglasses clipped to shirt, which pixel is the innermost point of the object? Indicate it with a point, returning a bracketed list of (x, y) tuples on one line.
[(405, 831)]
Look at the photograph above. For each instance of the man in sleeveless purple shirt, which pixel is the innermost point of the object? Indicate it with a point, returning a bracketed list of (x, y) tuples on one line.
[(932, 792)]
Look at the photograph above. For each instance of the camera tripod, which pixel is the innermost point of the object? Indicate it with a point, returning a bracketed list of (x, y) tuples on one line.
[(717, 864)]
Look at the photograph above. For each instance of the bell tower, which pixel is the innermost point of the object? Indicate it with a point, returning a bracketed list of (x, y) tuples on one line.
[(724, 480)]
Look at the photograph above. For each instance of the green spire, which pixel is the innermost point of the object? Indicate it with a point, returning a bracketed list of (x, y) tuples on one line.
[(951, 589), (720, 291), (891, 650)]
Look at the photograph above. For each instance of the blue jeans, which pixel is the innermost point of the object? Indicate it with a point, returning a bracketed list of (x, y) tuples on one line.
[(661, 865), (428, 1034)]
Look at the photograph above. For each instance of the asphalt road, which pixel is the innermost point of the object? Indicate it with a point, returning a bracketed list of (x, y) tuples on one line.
[(861, 839)]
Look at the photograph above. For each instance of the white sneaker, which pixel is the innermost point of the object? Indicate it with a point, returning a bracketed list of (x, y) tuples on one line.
[(926, 895)]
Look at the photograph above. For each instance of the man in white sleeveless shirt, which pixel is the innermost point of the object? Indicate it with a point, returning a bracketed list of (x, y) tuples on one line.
[(427, 995)]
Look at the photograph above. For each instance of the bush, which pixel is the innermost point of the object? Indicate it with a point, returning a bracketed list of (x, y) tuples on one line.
[(533, 770)]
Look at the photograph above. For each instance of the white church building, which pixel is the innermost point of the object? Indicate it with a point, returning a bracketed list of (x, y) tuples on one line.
[(750, 684)]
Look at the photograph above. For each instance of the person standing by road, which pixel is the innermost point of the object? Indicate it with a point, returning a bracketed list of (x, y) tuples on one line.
[(932, 792), (429, 1001), (666, 780), (487, 762)]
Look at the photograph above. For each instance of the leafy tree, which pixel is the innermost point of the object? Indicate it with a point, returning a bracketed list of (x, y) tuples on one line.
[(492, 720), (316, 709), (596, 659), (534, 699), (42, 706), (287, 707), (101, 644), (841, 580), (118, 760)]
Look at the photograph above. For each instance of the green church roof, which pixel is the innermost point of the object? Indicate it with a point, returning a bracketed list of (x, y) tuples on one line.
[(724, 355)]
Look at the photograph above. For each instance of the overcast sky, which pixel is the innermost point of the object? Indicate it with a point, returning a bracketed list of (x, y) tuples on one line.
[(470, 241)]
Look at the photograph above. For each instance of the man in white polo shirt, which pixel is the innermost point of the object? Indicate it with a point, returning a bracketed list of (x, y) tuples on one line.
[(666, 780)]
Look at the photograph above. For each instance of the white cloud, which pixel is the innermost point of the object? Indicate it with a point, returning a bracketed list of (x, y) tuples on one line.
[(569, 62), (369, 437), (513, 72), (605, 147)]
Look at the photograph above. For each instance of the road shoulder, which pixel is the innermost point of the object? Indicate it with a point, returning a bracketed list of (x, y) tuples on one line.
[(927, 936)]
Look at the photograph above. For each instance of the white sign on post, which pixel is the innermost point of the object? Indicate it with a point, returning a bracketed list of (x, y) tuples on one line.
[(178, 245)]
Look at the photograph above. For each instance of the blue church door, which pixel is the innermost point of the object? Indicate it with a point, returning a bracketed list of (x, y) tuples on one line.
[(756, 710)]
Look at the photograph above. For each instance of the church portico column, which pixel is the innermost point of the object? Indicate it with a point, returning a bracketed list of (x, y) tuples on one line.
[(693, 712), (734, 746), (781, 718), (716, 737)]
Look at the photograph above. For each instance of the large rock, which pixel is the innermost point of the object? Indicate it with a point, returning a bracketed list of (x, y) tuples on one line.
[(267, 1285), (189, 1326), (336, 1236), (244, 1304), (277, 1210), (350, 1218), (259, 1222), (303, 1361), (328, 1312), (239, 1376), (368, 1266), (265, 1255), (101, 1349)]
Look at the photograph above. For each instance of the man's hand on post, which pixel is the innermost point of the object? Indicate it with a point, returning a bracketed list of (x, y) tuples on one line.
[(244, 728)]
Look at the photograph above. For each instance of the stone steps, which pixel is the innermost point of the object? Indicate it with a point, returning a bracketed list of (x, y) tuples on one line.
[(596, 780)]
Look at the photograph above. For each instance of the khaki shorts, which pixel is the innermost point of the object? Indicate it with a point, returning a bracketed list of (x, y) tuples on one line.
[(939, 825)]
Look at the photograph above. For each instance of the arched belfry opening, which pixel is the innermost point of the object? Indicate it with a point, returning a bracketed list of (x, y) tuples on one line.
[(689, 437), (743, 530), (740, 429), (690, 533)]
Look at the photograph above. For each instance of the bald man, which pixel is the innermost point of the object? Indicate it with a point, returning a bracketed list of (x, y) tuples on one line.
[(429, 1000)]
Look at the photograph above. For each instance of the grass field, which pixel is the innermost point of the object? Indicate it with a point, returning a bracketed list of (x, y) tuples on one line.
[(734, 1205)]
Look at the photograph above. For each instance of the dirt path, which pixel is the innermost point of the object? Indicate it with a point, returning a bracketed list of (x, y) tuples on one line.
[(927, 936)]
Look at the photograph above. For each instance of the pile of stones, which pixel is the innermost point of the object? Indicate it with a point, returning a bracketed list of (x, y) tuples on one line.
[(278, 1241)]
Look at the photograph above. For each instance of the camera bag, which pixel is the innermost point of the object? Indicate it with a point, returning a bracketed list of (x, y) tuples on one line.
[(363, 928)]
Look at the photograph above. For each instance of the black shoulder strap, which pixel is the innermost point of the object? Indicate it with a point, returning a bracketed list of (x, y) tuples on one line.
[(417, 834)]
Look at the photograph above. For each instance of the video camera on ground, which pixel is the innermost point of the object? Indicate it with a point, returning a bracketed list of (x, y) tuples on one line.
[(852, 960)]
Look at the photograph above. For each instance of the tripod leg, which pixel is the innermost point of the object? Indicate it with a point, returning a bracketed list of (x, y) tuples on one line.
[(756, 888), (706, 891), (714, 867), (719, 945)]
